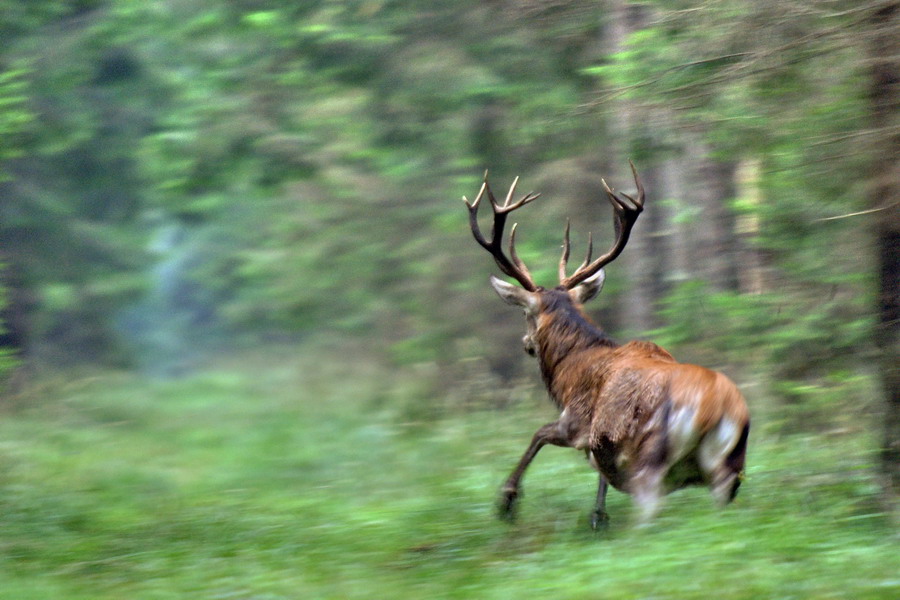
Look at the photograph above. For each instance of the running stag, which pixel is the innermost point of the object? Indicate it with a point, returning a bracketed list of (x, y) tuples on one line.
[(649, 424)]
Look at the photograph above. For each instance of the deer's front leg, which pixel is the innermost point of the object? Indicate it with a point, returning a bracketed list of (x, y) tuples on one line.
[(556, 433)]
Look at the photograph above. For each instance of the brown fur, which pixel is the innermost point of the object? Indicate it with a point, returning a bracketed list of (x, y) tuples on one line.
[(616, 401)]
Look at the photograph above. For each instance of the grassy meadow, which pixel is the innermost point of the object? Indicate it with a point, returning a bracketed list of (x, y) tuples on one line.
[(293, 477)]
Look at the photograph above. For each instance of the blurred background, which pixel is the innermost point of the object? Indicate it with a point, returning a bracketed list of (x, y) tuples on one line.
[(248, 346)]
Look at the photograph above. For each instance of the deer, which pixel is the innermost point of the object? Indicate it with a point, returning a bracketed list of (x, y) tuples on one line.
[(647, 423)]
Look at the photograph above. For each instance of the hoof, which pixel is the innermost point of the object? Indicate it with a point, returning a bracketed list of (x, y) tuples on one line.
[(506, 507), (599, 520)]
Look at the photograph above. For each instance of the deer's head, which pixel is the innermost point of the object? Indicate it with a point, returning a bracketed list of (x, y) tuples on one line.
[(573, 290)]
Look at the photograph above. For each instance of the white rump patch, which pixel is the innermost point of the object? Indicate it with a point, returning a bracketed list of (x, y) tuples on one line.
[(717, 444), (681, 433)]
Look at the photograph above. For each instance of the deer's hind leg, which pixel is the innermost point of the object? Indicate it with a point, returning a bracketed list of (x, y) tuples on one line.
[(647, 489), (721, 456), (648, 481)]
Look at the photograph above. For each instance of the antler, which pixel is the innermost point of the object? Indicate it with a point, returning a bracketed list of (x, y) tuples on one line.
[(512, 266), (625, 215)]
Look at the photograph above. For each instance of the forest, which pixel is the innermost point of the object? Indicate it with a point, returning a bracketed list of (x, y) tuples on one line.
[(248, 347)]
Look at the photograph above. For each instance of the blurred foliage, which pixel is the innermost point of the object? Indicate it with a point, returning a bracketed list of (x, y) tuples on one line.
[(188, 175), (14, 114), (307, 156)]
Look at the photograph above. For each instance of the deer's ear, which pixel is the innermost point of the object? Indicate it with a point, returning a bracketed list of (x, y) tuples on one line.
[(513, 294), (589, 288)]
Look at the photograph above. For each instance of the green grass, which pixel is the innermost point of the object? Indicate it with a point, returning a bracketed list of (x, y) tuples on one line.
[(292, 479)]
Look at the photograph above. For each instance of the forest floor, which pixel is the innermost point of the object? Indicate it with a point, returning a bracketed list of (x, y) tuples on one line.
[(292, 478)]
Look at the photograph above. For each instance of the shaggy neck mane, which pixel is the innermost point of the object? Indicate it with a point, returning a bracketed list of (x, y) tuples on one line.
[(564, 330)]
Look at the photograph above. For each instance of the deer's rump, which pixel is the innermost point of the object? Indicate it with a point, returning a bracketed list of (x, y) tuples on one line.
[(656, 412)]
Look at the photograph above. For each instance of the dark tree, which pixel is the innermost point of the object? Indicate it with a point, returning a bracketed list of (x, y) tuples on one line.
[(884, 54)]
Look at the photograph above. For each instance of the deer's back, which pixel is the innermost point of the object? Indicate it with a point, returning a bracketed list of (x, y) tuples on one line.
[(618, 391)]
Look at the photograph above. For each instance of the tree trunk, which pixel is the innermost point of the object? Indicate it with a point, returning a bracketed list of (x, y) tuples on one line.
[(884, 54), (751, 262), (14, 316), (677, 235), (714, 249), (645, 261)]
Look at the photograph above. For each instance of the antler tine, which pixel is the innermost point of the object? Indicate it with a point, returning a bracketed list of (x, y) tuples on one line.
[(515, 257), (514, 267), (564, 259), (512, 190), (613, 197), (616, 199), (590, 250), (477, 201), (640, 187), (625, 214), (507, 207), (473, 212)]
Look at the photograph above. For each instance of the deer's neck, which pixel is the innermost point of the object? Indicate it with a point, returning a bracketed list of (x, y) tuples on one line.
[(560, 336)]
